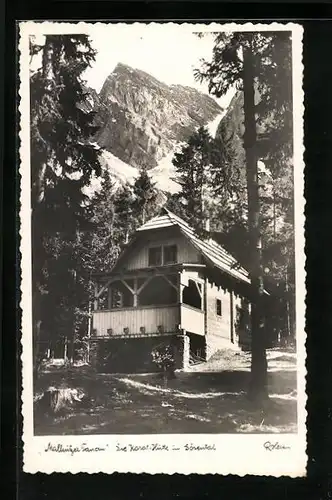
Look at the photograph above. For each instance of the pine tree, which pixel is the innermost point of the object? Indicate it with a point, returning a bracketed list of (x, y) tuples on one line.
[(228, 188), (193, 165), (258, 63), (104, 237), (177, 204), (278, 249), (145, 197), (62, 163), (218, 196)]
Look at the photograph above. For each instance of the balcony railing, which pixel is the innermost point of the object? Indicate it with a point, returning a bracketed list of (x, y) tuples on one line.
[(136, 321), (192, 319)]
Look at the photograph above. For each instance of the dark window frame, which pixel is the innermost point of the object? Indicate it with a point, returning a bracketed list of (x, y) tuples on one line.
[(165, 247), (150, 249), (162, 249), (219, 308)]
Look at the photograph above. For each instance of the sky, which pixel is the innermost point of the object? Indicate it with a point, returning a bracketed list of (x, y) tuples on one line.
[(170, 59)]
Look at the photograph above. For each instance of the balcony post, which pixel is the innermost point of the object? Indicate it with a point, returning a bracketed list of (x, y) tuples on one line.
[(180, 292), (95, 302), (205, 307), (135, 294)]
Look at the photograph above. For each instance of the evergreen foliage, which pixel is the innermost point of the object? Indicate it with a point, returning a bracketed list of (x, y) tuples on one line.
[(116, 214), (145, 198), (193, 165), (259, 64), (104, 239), (212, 198), (62, 163)]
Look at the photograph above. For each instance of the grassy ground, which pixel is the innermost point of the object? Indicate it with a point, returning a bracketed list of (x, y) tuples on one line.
[(210, 398)]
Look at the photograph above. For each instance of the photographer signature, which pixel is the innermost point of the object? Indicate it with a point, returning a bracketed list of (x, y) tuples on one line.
[(268, 445)]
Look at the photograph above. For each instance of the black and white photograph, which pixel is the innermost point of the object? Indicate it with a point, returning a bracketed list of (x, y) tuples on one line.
[(162, 246)]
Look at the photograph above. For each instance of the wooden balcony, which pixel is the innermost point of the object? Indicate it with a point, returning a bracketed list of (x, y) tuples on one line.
[(132, 305), (142, 321)]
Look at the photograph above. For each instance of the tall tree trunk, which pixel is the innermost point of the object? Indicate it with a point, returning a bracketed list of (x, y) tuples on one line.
[(258, 384), (288, 322), (48, 53), (36, 219), (87, 355), (274, 213), (36, 323), (71, 322)]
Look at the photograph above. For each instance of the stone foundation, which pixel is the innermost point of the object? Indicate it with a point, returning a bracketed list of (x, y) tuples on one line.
[(134, 355), (183, 346)]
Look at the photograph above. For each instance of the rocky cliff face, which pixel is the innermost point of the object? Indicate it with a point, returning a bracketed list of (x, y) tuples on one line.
[(231, 130), (233, 118), (142, 119)]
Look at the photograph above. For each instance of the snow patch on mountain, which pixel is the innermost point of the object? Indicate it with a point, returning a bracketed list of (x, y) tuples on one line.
[(121, 171), (164, 175), (212, 126)]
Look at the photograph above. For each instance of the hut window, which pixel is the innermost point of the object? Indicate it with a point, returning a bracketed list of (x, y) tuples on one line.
[(170, 254), (157, 292), (155, 256), (120, 296), (218, 307), (192, 295)]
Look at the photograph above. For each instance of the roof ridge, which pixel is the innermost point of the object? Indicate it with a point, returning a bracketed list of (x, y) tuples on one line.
[(176, 218), (212, 250)]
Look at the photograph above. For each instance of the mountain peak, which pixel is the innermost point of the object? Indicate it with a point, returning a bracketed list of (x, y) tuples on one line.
[(141, 119), (121, 68), (139, 76)]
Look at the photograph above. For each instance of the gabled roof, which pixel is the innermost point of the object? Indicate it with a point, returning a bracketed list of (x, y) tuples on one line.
[(214, 253)]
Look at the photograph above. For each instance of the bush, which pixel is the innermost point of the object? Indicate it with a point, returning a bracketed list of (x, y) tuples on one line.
[(163, 356)]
